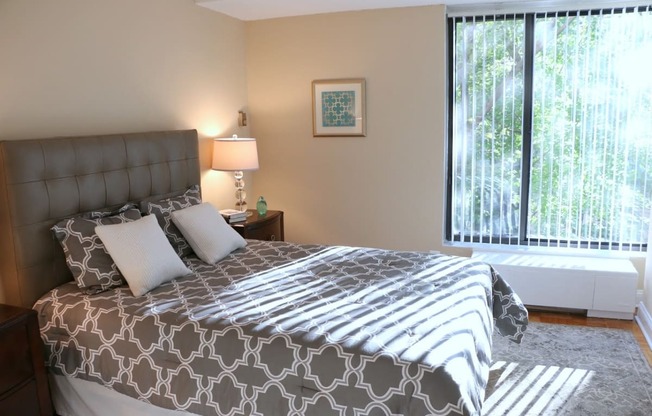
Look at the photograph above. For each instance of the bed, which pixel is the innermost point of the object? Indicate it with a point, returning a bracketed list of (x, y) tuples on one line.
[(274, 328)]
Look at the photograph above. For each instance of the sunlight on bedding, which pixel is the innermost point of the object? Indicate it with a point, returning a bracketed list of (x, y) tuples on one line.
[(325, 326)]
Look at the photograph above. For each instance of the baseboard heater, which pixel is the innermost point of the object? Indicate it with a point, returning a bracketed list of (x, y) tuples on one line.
[(606, 288)]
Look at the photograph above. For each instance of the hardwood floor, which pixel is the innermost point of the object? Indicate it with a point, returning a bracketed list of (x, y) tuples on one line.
[(568, 318)]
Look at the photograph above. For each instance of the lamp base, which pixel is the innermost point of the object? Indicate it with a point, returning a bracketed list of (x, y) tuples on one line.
[(240, 194), (242, 207)]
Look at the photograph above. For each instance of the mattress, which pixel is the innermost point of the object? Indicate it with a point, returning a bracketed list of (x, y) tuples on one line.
[(285, 329)]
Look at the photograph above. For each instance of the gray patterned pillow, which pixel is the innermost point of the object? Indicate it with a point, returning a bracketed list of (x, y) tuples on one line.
[(163, 210), (91, 265)]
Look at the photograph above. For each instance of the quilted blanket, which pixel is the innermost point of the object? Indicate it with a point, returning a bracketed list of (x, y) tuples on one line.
[(285, 329)]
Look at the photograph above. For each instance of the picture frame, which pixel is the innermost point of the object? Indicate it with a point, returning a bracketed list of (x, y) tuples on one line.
[(338, 107)]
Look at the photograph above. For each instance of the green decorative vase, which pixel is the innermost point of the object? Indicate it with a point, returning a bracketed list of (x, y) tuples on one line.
[(261, 206)]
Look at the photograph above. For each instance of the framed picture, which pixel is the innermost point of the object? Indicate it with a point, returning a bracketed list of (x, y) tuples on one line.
[(338, 107)]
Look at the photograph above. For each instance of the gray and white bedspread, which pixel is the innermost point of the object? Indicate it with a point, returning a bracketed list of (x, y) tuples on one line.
[(285, 329)]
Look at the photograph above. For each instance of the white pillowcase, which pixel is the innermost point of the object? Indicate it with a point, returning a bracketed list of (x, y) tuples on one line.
[(142, 253), (210, 237)]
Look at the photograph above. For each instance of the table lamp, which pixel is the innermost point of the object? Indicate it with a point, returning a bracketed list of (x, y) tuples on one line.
[(236, 155)]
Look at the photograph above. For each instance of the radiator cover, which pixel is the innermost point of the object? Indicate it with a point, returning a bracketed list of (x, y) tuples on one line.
[(605, 288)]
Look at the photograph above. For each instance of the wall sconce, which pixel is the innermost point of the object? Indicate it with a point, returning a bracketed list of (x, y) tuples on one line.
[(236, 155)]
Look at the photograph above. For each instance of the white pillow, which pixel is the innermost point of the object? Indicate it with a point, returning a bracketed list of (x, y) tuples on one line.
[(142, 253), (210, 237)]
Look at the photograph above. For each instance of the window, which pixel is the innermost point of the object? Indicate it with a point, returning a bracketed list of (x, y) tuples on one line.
[(550, 129)]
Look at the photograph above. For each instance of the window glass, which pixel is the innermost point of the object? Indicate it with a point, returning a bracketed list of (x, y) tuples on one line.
[(551, 129)]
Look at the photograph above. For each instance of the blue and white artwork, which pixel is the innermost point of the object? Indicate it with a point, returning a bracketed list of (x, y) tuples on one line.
[(338, 108)]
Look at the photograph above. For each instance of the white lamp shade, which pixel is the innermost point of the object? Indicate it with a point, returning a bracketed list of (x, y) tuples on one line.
[(235, 154)]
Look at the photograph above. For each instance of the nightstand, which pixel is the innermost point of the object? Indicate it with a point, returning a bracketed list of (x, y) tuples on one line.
[(23, 380), (268, 227)]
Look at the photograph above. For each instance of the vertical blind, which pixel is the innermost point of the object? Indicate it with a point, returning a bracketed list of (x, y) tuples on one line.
[(551, 128)]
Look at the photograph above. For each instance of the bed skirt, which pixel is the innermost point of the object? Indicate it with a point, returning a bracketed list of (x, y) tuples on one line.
[(77, 397)]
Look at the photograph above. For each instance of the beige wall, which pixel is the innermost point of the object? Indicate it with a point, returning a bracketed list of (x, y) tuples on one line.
[(74, 67), (384, 190)]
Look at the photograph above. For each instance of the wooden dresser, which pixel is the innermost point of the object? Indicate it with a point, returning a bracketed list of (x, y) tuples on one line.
[(24, 387)]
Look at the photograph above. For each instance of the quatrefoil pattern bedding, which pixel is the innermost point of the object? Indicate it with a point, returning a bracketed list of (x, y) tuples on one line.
[(163, 211), (86, 257), (283, 329)]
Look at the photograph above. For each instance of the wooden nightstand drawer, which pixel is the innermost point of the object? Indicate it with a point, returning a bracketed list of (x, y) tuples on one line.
[(270, 231), (268, 227), (15, 357), (24, 387), (21, 401)]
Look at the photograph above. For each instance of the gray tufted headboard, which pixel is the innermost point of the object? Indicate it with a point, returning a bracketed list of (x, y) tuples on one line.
[(44, 180)]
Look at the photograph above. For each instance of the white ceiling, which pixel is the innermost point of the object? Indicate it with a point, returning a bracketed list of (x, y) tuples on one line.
[(267, 9)]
